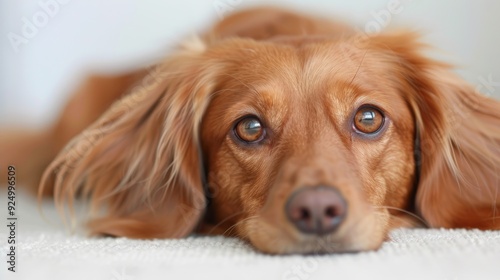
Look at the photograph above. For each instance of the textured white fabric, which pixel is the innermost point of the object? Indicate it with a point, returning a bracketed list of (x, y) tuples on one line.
[(47, 251)]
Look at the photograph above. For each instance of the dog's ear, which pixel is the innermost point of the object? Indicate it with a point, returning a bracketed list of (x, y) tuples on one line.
[(140, 164), (459, 132)]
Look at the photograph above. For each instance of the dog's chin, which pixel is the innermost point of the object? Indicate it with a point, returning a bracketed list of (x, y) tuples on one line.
[(366, 234)]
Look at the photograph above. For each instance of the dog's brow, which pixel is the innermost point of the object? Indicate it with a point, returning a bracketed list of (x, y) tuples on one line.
[(359, 66)]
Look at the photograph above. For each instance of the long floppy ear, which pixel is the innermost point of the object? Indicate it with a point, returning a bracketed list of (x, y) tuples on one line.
[(459, 132), (140, 164)]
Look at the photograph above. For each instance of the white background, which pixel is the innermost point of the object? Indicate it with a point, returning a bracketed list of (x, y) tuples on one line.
[(112, 35)]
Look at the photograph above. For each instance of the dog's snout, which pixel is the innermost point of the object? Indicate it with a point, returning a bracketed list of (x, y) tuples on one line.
[(317, 210)]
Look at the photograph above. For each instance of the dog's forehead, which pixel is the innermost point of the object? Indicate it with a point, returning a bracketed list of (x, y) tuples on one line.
[(277, 82), (280, 71)]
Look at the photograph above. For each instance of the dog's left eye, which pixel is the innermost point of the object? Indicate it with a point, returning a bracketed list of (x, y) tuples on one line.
[(249, 130), (368, 120)]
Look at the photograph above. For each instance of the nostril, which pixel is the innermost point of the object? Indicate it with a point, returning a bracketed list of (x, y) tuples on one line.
[(305, 214), (316, 210), (330, 212)]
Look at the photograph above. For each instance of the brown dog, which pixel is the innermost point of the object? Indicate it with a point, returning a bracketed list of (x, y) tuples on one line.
[(294, 133)]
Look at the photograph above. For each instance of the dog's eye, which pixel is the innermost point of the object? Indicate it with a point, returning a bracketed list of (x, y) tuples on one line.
[(368, 120), (249, 130)]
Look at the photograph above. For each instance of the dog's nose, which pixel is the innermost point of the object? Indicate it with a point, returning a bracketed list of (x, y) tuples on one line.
[(317, 210)]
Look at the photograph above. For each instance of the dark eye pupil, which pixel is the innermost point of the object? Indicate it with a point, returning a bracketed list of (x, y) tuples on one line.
[(368, 117), (249, 130), (368, 120), (252, 127)]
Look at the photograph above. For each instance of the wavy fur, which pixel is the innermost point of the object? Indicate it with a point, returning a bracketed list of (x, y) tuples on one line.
[(141, 158), (142, 164)]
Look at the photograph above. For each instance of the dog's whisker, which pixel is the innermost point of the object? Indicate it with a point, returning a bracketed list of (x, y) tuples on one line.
[(359, 67), (250, 228), (413, 215), (238, 223), (224, 220)]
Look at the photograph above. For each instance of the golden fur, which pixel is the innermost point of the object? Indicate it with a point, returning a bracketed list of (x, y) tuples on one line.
[(151, 159)]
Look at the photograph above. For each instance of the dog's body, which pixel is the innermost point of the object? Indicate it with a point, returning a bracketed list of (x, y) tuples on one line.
[(303, 136)]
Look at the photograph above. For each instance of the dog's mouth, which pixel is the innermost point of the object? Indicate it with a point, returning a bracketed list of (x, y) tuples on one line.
[(357, 233), (334, 243)]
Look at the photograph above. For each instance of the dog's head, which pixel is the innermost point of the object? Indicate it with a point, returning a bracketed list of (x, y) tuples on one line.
[(299, 144)]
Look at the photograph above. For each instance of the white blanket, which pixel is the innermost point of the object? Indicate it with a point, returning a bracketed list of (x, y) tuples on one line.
[(45, 250)]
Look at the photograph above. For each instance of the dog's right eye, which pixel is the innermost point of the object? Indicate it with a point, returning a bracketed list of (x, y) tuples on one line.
[(249, 130), (368, 120)]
